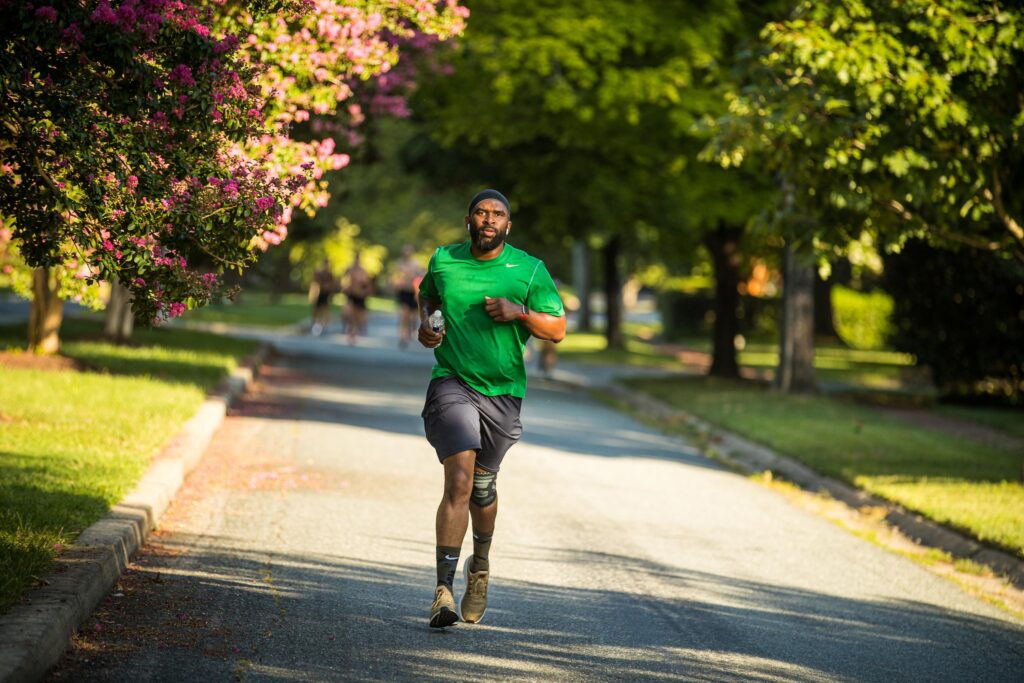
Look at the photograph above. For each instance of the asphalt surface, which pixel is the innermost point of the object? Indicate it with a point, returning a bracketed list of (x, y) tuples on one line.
[(302, 549)]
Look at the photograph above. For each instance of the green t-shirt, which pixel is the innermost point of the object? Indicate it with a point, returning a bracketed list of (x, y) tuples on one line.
[(485, 354)]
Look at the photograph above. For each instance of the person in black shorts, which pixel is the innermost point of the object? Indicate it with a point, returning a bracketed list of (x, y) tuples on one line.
[(358, 285), (493, 297), (321, 289), (405, 282)]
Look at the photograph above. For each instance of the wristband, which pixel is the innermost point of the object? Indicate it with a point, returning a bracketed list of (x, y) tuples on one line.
[(525, 314)]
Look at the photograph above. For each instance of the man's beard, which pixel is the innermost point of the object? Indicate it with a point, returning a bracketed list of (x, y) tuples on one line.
[(484, 244)]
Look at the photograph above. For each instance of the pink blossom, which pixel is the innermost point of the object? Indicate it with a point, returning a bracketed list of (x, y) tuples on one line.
[(177, 309), (73, 34), (182, 74), (139, 282), (264, 203), (133, 182), (103, 13), (108, 245), (46, 13)]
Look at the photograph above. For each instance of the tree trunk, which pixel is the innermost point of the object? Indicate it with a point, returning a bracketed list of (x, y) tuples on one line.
[(796, 346), (723, 243), (119, 321), (581, 283), (613, 296), (824, 324), (46, 313), (281, 277)]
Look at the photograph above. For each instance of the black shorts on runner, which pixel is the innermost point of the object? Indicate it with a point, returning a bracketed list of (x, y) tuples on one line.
[(407, 298), (457, 417), (357, 302)]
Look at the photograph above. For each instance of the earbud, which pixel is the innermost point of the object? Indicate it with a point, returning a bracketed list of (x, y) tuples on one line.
[(467, 226)]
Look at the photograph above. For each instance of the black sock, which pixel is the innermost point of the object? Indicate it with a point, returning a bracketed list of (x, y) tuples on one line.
[(447, 561), (481, 548)]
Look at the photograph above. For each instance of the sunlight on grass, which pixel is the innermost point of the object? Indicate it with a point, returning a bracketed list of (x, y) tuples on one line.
[(255, 308), (259, 309), (968, 485), (73, 443)]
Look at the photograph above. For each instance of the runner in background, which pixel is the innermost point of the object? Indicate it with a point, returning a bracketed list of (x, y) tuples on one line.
[(321, 289), (357, 285), (405, 282)]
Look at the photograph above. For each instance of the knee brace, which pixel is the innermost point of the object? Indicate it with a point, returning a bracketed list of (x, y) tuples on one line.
[(484, 491)]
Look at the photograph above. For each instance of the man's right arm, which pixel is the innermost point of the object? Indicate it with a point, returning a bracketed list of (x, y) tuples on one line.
[(427, 337)]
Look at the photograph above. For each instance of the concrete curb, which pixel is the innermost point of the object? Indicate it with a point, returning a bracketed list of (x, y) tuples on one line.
[(36, 631), (752, 458)]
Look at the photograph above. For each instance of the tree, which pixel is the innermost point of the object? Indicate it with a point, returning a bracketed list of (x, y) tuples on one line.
[(899, 119), (582, 109), (144, 142)]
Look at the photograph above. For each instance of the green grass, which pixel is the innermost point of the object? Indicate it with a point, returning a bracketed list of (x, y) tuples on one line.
[(860, 368), (954, 481), (1004, 419), (256, 308), (73, 443), (589, 347)]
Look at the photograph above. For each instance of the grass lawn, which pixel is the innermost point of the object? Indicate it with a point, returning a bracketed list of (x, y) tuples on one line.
[(838, 365), (589, 347), (1010, 421), (954, 481), (256, 308), (73, 443)]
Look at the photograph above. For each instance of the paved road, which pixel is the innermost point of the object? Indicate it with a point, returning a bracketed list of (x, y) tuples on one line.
[(302, 549)]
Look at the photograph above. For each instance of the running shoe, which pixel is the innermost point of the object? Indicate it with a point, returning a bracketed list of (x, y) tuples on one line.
[(474, 600), (442, 612)]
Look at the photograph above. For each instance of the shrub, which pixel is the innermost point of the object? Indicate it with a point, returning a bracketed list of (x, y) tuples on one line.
[(961, 313), (863, 320)]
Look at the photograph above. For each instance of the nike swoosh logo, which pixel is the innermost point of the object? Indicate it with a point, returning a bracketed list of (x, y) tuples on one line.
[(450, 558), (511, 265)]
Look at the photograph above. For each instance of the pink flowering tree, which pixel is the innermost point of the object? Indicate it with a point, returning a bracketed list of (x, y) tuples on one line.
[(322, 68), (147, 140)]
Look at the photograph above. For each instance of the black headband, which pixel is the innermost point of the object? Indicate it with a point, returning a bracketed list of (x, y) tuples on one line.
[(487, 194)]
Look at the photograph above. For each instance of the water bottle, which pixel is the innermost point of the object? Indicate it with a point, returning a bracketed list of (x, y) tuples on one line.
[(437, 321)]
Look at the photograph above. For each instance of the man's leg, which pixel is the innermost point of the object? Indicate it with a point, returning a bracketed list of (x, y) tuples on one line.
[(450, 528), (452, 514), (483, 529), (483, 508)]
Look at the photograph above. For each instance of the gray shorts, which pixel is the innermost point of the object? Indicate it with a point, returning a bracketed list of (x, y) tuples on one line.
[(457, 417)]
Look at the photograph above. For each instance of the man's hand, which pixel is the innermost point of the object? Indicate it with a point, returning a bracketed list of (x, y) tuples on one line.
[(502, 310), (428, 337)]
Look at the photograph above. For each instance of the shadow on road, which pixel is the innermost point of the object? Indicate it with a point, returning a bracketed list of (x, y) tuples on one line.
[(300, 617), (390, 399)]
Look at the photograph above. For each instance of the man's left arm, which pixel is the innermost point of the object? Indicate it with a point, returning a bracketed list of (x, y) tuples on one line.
[(541, 325)]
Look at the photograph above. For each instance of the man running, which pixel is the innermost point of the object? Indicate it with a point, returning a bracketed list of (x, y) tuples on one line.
[(493, 297)]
